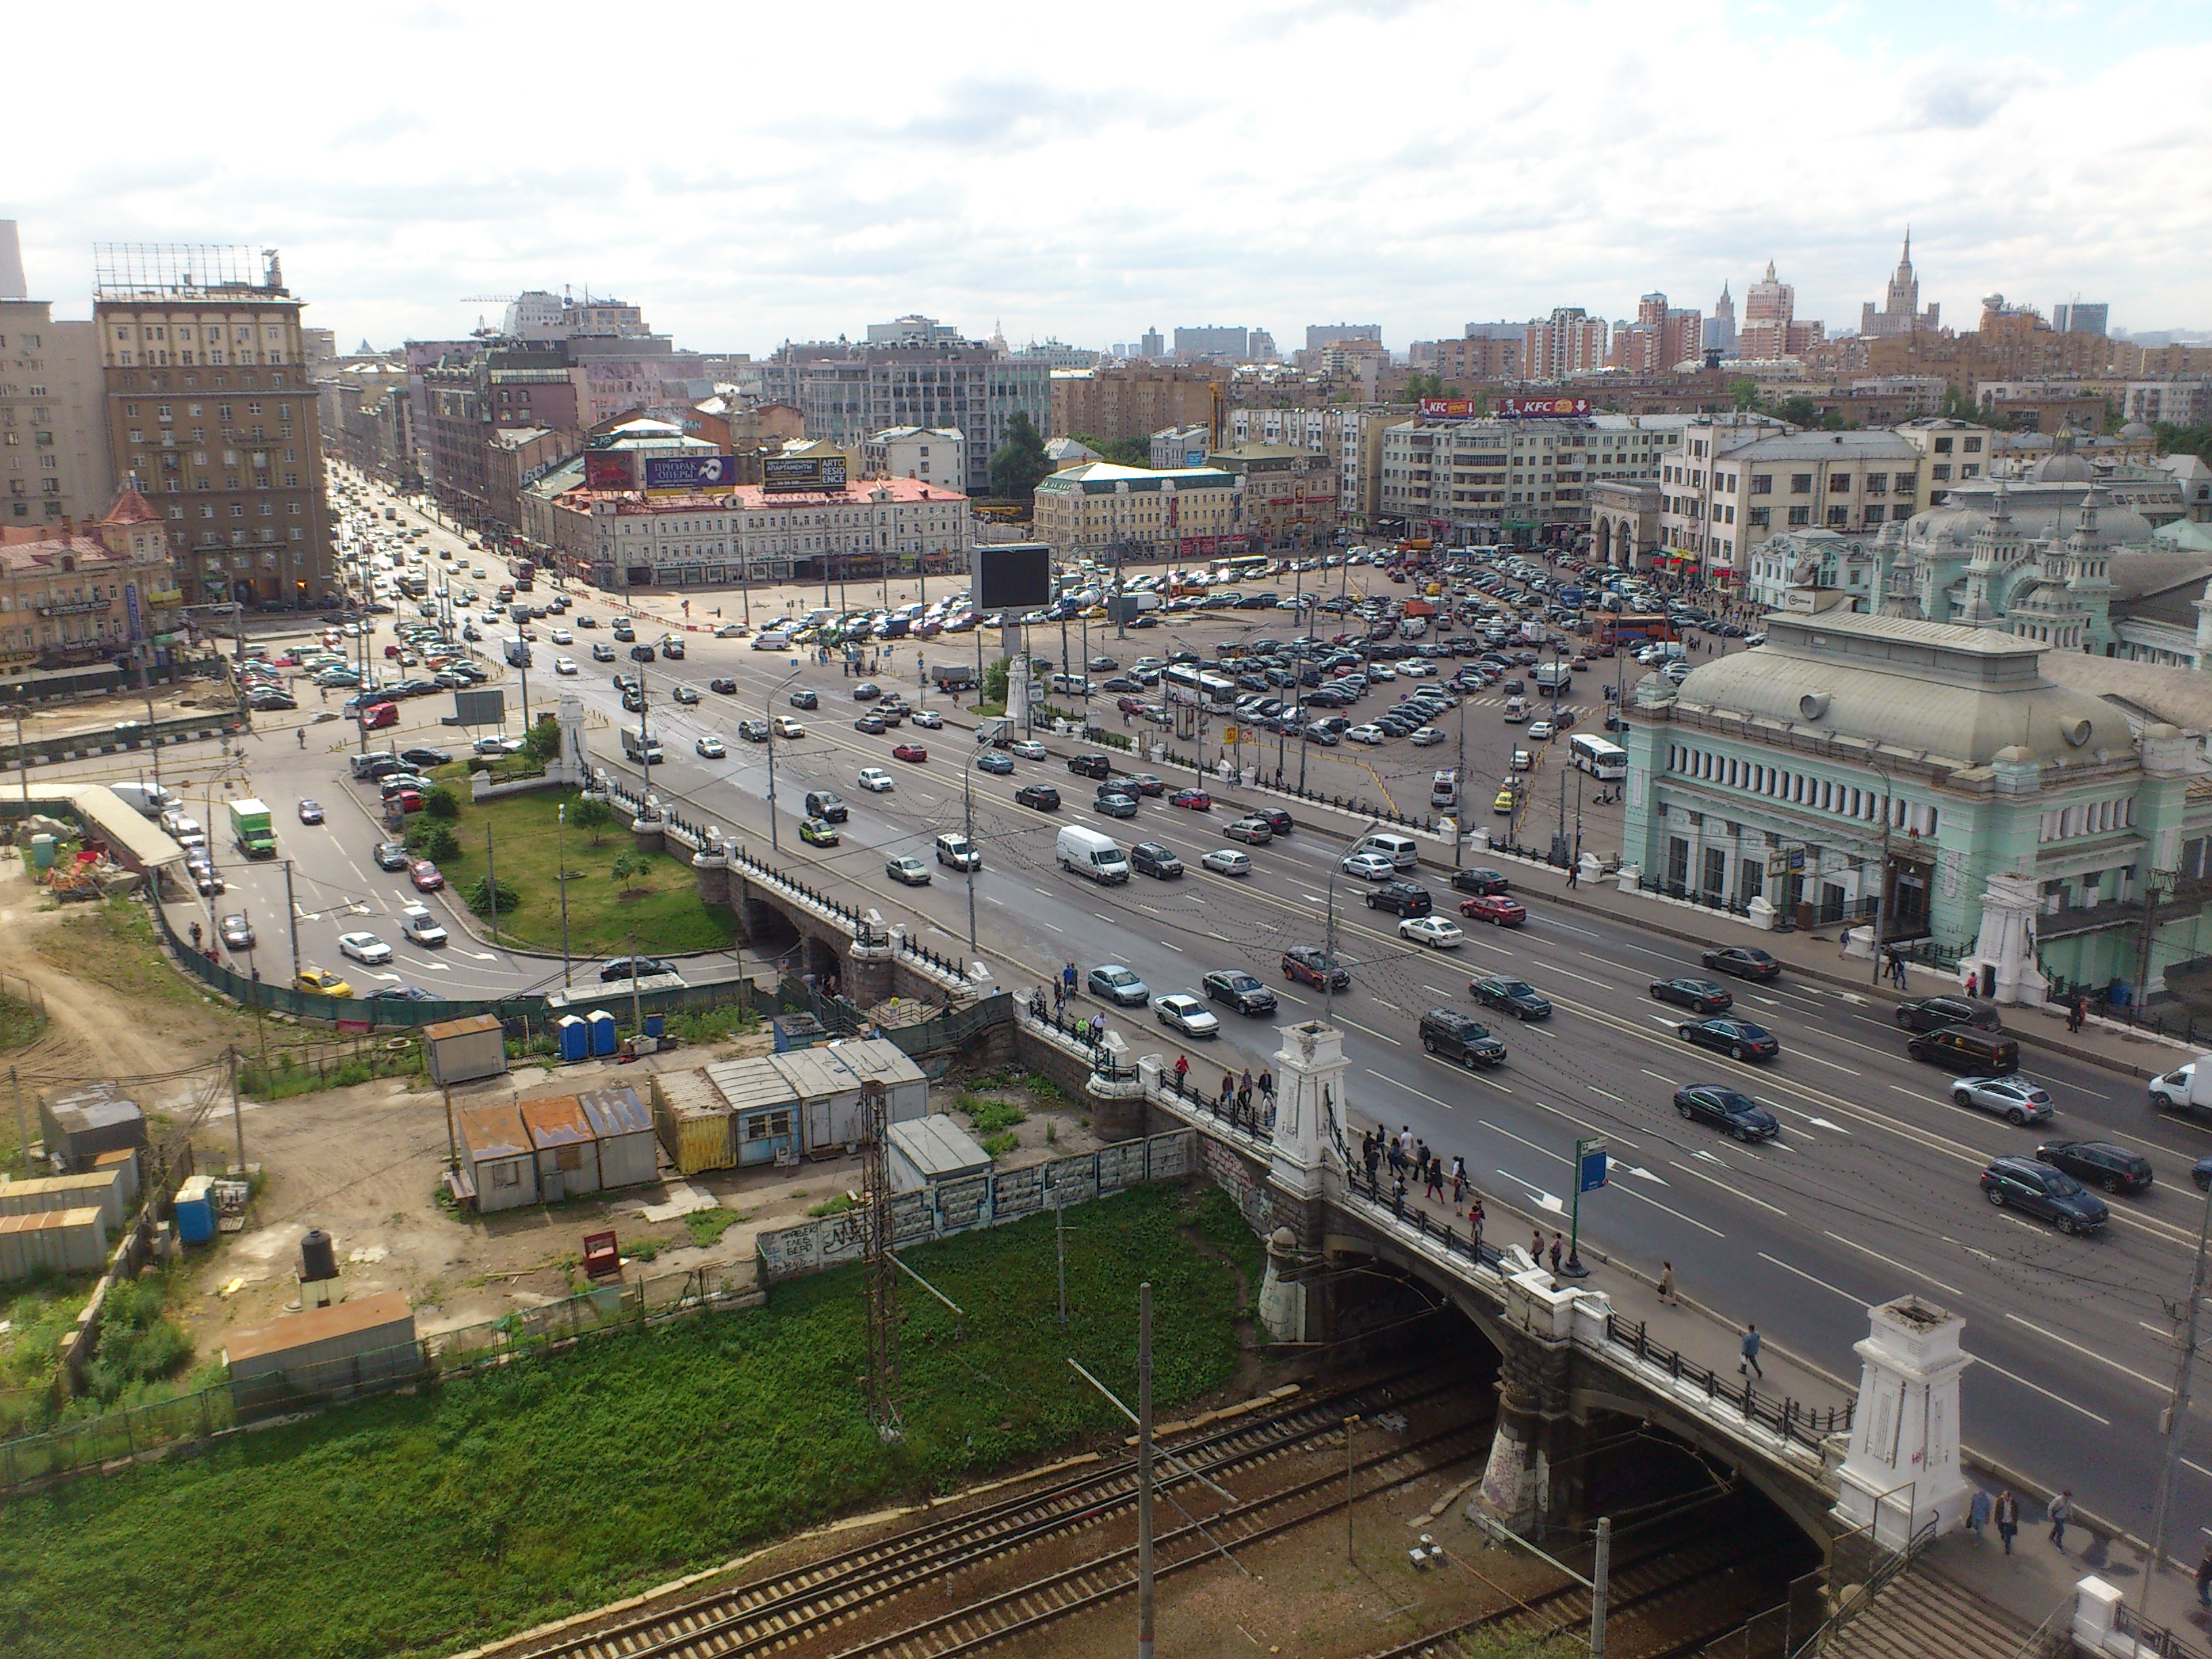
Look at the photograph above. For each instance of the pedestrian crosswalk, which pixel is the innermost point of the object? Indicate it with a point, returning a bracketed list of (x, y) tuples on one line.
[(1539, 710)]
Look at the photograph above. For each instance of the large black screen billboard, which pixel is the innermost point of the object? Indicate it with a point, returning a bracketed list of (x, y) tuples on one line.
[(1015, 576)]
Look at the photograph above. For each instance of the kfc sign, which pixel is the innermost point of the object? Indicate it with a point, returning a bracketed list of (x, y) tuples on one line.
[(1449, 408), (1544, 408)]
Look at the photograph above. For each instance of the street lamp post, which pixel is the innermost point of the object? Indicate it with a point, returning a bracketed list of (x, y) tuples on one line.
[(767, 705), (1329, 937), (1881, 876)]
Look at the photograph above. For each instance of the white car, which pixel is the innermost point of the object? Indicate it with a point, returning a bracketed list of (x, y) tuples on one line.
[(928, 720), (787, 727), (710, 747), (563, 636), (1368, 867), (875, 779), (365, 947), (1677, 671), (1425, 736), (1227, 861), (1368, 733), (416, 922), (1181, 1012), (499, 744), (1027, 748), (1539, 730), (1432, 931), (564, 665)]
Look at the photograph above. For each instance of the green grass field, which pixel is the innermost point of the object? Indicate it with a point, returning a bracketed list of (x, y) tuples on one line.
[(421, 1525), (660, 907)]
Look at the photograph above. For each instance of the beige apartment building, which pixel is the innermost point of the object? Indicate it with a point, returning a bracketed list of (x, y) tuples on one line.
[(80, 592), (1738, 479), (53, 441), (1134, 402), (1290, 492), (1101, 510), (210, 409)]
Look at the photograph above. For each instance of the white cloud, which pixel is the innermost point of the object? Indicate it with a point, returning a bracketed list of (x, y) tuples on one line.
[(757, 175)]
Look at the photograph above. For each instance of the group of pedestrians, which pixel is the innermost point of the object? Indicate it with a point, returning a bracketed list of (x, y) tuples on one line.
[(1981, 1509)]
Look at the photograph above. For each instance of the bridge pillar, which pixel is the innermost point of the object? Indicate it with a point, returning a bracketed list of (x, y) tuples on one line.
[(1310, 1068), (574, 764), (1115, 1093), (1902, 1471), (1282, 1295), (650, 826), (867, 972), (1536, 1473), (710, 871)]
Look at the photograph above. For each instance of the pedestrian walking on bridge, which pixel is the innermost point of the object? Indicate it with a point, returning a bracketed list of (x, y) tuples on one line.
[(2060, 1512), (1749, 1364), (2008, 1517)]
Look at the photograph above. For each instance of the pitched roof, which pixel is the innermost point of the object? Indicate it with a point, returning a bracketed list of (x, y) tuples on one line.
[(131, 508)]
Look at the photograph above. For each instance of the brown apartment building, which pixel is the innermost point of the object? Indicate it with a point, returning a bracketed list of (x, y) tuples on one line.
[(210, 411), (1132, 403)]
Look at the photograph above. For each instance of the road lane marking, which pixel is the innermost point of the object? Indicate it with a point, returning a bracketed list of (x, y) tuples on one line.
[(1178, 950), (1055, 926), (1549, 1202), (1571, 974), (1594, 1090), (2091, 1353), (1546, 1151), (1409, 1089), (1858, 1301), (1370, 1029), (1893, 1265), (1737, 1191), (1436, 991), (1648, 1072), (2013, 1377), (1848, 1071)]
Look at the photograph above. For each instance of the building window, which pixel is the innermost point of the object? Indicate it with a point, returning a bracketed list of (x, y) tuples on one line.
[(1801, 483), (1800, 516), (1941, 472), (1839, 484), (1877, 483)]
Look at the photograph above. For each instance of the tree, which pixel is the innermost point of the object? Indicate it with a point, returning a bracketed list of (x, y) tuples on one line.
[(479, 897), (442, 804), (994, 681), (1743, 393), (1018, 464), (543, 740), (629, 867), (592, 815), (441, 845)]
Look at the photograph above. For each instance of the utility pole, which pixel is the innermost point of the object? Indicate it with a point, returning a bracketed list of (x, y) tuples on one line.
[(883, 1267), (491, 883), (1881, 876), (1144, 1470), (292, 918), (237, 1116), (561, 859), (2177, 1410), (636, 1019), (1351, 1423), (1059, 1225), (23, 1133), (1601, 1572), (1459, 777)]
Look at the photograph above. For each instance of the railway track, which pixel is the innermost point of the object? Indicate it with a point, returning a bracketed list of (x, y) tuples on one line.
[(774, 1613)]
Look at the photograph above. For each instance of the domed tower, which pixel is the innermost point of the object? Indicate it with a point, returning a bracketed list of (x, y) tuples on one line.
[(2088, 566), (1996, 546)]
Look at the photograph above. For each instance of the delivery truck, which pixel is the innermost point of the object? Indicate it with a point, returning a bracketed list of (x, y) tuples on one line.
[(2186, 1090), (251, 829)]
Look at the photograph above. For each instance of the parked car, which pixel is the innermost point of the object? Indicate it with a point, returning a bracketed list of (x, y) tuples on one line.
[(2049, 1195), (1495, 908), (644, 968), (1928, 1013), (1308, 964), (393, 856), (1511, 995), (1181, 1012), (425, 876), (2018, 1100), (1242, 991), (1744, 961), (1739, 1039), (909, 870), (1727, 1109), (1112, 982), (2098, 1164), (1699, 996)]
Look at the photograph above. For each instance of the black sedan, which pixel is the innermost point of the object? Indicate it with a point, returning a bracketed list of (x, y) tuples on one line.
[(1511, 995), (393, 856), (1699, 996), (1308, 964), (1744, 961), (2098, 1164), (1739, 1039), (2049, 1193), (237, 934), (638, 966), (422, 758), (1242, 991), (1932, 1013), (1042, 796), (1727, 1109), (1481, 882)]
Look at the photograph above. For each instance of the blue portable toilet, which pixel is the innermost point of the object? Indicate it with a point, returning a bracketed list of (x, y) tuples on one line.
[(602, 1031), (655, 1025), (195, 1211), (575, 1037)]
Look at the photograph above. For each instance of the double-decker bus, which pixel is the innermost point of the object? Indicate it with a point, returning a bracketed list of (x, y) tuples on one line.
[(1184, 683)]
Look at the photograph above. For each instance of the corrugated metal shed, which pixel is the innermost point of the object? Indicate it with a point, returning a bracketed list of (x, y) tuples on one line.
[(462, 1050), (66, 1241), (628, 1156), (324, 1352), (567, 1150), (879, 1060), (829, 1098), (79, 1124), (102, 1189), (694, 1122), (501, 1162), (933, 1148), (764, 1107)]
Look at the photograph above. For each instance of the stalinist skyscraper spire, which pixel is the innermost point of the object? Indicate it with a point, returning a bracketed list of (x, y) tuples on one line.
[(1900, 313)]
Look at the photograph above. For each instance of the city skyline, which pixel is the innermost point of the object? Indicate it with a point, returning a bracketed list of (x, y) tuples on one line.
[(973, 194)]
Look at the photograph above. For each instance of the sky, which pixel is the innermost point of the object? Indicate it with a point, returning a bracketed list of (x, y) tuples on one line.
[(759, 173)]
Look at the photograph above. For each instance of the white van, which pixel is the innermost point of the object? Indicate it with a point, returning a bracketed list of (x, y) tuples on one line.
[(1090, 854), (1444, 790), (1400, 850)]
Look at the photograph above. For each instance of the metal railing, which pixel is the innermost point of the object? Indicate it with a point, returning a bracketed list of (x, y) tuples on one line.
[(1077, 1033), (1254, 1116), (1787, 1418), (2152, 1638), (1879, 1579)]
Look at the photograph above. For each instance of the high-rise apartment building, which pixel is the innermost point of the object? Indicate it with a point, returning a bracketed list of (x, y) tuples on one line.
[(1720, 327), (1152, 346), (210, 411), (1214, 340), (1568, 342), (1661, 337), (1133, 402), (1771, 328), (1899, 313), (1321, 334), (54, 464), (2077, 317)]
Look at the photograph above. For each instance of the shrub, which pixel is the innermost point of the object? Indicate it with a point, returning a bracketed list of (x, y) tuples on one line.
[(592, 815), (990, 1116), (442, 803), (997, 1146), (629, 867), (441, 845), (543, 740), (479, 897)]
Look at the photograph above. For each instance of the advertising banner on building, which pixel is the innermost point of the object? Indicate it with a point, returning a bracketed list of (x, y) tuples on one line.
[(131, 609), (1543, 408), (689, 474), (609, 469), (787, 475), (1449, 408)]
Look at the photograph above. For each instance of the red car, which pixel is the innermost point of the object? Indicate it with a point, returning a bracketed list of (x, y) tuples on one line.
[(910, 751), (379, 715), (424, 874), (1495, 908), (1196, 800)]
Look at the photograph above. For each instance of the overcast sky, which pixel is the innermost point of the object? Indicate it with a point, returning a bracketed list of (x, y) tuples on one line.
[(758, 172)]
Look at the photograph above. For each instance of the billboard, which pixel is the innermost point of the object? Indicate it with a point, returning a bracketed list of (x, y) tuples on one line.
[(689, 473), (480, 708), (1544, 408), (787, 475), (609, 469), (1450, 409), (1013, 576)]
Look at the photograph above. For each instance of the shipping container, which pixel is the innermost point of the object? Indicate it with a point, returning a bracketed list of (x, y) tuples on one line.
[(879, 1060), (79, 1124), (693, 1121), (126, 1160), (100, 1189), (498, 1163), (324, 1353), (462, 1050), (62, 1241), (629, 1154), (568, 1152), (829, 1097)]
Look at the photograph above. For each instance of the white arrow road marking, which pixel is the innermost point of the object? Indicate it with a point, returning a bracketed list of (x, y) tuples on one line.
[(434, 967), (390, 979), (1543, 1200), (481, 955), (1854, 997), (1823, 1123)]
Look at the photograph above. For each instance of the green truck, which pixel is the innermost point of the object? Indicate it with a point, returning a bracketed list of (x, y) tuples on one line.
[(251, 829)]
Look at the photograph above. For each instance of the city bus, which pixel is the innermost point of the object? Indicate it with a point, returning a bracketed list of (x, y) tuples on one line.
[(1243, 568), (1606, 762), (1183, 683)]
